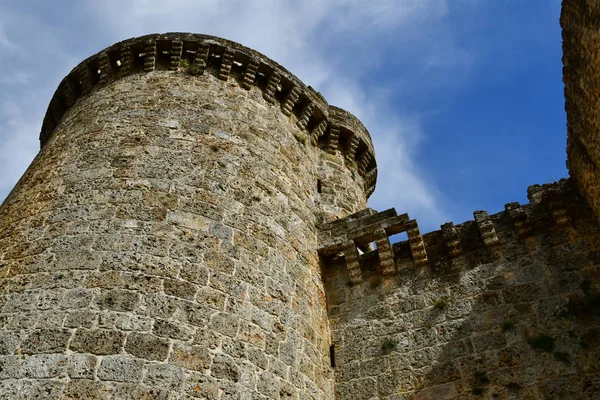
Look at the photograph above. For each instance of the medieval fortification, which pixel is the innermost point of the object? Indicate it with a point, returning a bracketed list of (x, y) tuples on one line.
[(195, 226)]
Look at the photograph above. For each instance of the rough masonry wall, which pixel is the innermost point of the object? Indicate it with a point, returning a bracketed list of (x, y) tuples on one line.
[(163, 245), (580, 21), (507, 307)]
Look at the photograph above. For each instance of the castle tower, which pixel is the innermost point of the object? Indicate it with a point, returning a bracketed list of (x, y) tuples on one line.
[(163, 243)]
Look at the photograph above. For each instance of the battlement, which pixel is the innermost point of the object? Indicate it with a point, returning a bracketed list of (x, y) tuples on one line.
[(330, 128), (362, 239)]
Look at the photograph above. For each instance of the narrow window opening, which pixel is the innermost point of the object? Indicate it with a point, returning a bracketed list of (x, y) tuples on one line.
[(319, 186), (332, 355)]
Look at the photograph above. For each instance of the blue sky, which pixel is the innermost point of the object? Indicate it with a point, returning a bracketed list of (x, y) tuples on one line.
[(463, 98)]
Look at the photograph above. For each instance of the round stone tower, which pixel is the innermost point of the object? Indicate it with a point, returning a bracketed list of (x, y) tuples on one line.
[(162, 245)]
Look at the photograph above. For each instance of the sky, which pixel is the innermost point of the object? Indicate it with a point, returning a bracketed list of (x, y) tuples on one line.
[(463, 98)]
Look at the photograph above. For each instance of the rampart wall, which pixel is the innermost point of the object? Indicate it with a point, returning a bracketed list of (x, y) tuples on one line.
[(506, 306)]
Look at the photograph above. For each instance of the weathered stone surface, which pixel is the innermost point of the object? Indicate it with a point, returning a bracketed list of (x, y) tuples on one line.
[(46, 341), (97, 341), (196, 227), (495, 319), (120, 368), (148, 346)]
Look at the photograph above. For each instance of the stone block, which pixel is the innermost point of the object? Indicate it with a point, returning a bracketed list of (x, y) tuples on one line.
[(81, 366), (10, 341), (211, 298), (172, 329), (181, 289), (225, 324), (201, 386), (164, 376), (46, 341), (11, 367), (117, 300), (192, 357), (81, 319), (120, 368), (225, 367), (45, 366), (97, 341), (147, 346)]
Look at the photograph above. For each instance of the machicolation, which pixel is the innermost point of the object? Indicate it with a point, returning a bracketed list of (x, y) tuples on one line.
[(196, 226)]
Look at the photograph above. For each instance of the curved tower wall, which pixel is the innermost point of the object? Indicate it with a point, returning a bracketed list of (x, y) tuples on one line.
[(163, 242)]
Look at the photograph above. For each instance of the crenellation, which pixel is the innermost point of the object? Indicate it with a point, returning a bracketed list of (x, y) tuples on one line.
[(417, 246), (333, 140), (305, 115), (352, 147), (271, 86), (56, 109), (485, 225), (83, 76), (290, 100), (452, 240), (250, 74), (176, 54), (226, 64), (68, 92), (350, 253), (520, 219), (150, 55), (126, 60), (386, 255), (364, 161), (201, 59), (558, 209), (104, 69), (317, 132)]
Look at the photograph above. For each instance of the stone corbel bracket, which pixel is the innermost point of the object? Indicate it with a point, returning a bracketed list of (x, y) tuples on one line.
[(552, 198), (520, 218), (358, 232), (452, 240), (486, 228)]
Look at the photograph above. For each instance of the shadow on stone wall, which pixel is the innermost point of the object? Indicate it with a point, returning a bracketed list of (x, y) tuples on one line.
[(519, 320)]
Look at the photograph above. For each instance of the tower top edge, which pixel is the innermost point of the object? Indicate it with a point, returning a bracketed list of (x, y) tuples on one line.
[(167, 51)]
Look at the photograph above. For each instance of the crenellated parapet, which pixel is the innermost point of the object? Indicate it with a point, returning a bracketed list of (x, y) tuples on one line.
[(330, 128), (368, 231), (361, 235)]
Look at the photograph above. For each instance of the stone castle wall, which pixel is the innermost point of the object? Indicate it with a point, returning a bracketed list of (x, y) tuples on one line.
[(162, 244), (195, 226), (507, 306)]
